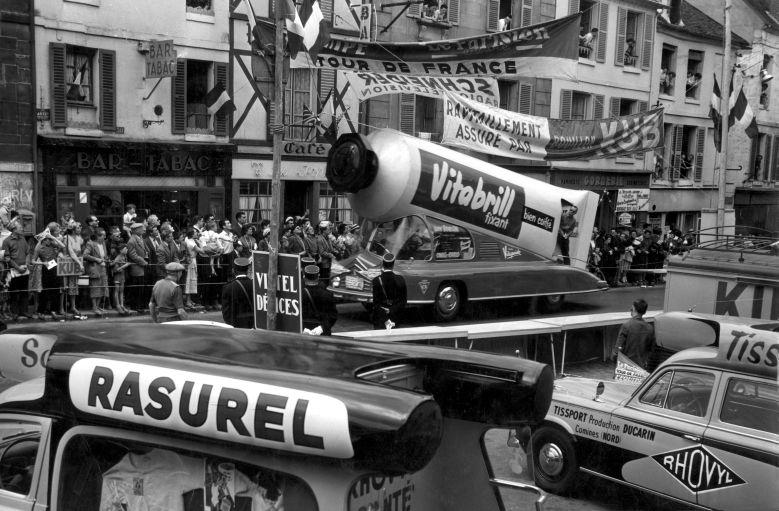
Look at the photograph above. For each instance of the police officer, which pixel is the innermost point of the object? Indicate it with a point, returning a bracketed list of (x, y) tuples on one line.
[(167, 302), (389, 294), (237, 304), (318, 303)]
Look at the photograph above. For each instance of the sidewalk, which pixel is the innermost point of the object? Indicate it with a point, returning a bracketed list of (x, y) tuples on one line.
[(112, 315)]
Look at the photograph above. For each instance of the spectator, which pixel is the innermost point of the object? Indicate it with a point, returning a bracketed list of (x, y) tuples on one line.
[(636, 337), (569, 228), (193, 252), (630, 52), (587, 39), (165, 250), (119, 266), (128, 219), (95, 258), (240, 221), (442, 14), (17, 255), (296, 245), (312, 249), (90, 229), (429, 9), (246, 243), (74, 247), (138, 258), (45, 253), (325, 250), (504, 23)]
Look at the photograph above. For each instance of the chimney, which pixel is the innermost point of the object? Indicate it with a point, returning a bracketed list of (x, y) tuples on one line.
[(675, 12)]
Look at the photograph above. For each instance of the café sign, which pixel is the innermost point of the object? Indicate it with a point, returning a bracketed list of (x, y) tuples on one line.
[(307, 149)]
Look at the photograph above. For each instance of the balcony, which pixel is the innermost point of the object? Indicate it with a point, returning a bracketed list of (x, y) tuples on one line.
[(585, 52)]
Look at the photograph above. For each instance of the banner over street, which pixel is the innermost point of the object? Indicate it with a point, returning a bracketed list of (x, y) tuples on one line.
[(368, 85)]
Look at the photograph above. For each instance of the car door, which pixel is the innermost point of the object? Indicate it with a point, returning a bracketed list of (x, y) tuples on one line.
[(22, 466), (743, 441), (661, 428)]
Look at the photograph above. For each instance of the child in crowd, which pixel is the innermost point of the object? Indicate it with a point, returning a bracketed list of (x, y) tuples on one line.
[(119, 264)]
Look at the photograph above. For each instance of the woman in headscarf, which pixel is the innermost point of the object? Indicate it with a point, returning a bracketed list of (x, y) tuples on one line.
[(74, 247), (246, 243), (95, 260)]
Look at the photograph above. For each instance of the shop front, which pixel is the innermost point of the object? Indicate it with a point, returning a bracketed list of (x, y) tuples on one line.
[(304, 187), (175, 181)]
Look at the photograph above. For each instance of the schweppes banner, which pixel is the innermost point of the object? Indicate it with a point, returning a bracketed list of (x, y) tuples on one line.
[(546, 50), (483, 89), (491, 130)]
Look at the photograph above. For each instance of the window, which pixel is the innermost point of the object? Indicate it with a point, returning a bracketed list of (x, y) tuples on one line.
[(751, 404), (446, 12), (193, 81), (761, 158), (78, 67), (635, 32), (18, 451), (421, 116), (681, 391), (297, 96), (200, 7), (686, 156), (631, 36), (499, 10), (254, 197), (198, 118), (667, 70), (662, 155), (451, 241), (103, 473), (334, 206), (508, 95), (693, 79), (417, 245), (577, 105), (375, 114)]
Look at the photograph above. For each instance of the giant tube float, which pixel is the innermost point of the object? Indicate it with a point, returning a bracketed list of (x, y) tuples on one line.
[(389, 175)]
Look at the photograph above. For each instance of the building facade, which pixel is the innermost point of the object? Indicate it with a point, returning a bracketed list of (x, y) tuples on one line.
[(123, 90)]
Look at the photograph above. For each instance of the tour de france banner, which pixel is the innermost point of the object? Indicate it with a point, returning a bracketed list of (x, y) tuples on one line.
[(628, 371), (546, 50), (289, 308), (483, 89), (491, 130)]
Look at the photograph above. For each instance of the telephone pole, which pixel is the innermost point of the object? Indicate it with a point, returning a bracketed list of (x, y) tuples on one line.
[(725, 113)]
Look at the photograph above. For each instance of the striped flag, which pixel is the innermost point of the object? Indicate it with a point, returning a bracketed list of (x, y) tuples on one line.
[(743, 113), (295, 31), (218, 101), (739, 111), (316, 31), (262, 35), (76, 90)]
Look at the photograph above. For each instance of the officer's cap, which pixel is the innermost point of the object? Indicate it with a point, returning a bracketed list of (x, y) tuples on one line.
[(241, 262), (388, 261), (311, 272), (173, 267), (305, 261)]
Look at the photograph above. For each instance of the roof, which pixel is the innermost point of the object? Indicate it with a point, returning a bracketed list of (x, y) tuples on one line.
[(697, 24), (768, 10)]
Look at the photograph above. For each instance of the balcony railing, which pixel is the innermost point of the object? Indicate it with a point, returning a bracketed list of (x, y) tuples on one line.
[(585, 51)]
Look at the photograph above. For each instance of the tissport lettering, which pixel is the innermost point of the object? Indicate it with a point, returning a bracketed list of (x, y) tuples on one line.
[(570, 413), (746, 347), (212, 406), (698, 469)]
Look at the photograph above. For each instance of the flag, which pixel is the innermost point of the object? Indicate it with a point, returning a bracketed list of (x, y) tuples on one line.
[(262, 36), (716, 115), (295, 30), (218, 101), (76, 90), (315, 30), (742, 112), (313, 120)]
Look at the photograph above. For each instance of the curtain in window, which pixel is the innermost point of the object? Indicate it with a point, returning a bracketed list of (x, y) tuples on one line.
[(79, 77)]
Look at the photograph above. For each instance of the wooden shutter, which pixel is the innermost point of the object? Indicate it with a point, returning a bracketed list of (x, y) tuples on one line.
[(271, 115), (178, 99), (598, 103), (614, 104), (573, 6), (413, 10), (566, 103), (622, 23), (107, 59), (649, 32), (326, 82), (59, 87), (542, 106), (326, 7), (677, 152), (547, 11), (493, 13), (220, 121), (525, 98), (454, 11), (700, 141), (775, 171), (603, 30), (407, 113), (526, 13)]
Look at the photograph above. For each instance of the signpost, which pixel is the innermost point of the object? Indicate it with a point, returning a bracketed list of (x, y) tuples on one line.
[(288, 301), (161, 59)]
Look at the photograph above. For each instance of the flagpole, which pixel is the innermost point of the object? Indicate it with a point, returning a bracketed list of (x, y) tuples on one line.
[(725, 113), (278, 141)]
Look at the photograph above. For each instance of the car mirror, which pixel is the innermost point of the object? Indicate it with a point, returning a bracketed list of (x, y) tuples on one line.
[(599, 390)]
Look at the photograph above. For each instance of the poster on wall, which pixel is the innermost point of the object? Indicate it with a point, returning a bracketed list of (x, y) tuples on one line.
[(16, 191), (632, 199)]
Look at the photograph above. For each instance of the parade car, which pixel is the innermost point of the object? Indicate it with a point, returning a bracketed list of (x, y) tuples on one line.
[(702, 429), (184, 417)]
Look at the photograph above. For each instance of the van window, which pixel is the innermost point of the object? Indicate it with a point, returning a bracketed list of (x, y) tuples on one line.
[(681, 391), (751, 404), (406, 238), (451, 242), (101, 473), (18, 451)]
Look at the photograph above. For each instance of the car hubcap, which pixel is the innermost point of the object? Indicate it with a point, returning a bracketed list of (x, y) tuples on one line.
[(447, 299), (550, 459)]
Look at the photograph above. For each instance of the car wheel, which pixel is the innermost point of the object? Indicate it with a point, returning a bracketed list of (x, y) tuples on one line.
[(448, 302), (552, 303), (554, 459)]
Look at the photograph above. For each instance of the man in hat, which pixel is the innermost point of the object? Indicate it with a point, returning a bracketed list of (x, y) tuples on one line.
[(138, 257), (318, 303), (569, 228), (237, 304), (167, 302), (325, 250), (389, 294)]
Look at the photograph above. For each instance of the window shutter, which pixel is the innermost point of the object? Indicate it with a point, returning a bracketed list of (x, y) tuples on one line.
[(525, 98), (221, 120), (566, 103), (700, 136), (527, 13), (547, 11), (107, 61), (59, 106), (622, 23), (542, 106), (326, 7), (598, 104), (407, 113), (775, 172), (493, 13), (178, 99), (614, 107), (649, 32), (454, 12), (326, 82), (573, 6), (677, 152), (603, 28), (414, 10), (271, 115)]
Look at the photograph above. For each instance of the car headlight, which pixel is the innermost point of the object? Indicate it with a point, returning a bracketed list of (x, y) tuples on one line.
[(334, 282)]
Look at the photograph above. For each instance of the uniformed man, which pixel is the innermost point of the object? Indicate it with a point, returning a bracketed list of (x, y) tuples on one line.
[(318, 304), (237, 304), (389, 294), (167, 302)]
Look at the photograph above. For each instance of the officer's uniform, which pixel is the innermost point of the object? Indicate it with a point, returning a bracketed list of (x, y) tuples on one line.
[(167, 302), (389, 294), (318, 303), (237, 304)]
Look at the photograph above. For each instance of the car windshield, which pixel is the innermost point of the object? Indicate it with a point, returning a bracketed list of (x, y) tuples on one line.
[(407, 238)]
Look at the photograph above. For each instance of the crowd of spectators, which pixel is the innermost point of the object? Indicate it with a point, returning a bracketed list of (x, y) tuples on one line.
[(117, 265)]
